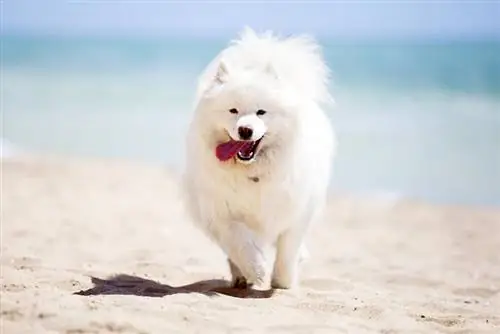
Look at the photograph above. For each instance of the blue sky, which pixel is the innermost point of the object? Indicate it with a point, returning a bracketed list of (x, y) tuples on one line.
[(222, 18)]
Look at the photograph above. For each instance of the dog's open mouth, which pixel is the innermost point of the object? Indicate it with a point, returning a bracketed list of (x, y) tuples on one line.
[(245, 151), (248, 151)]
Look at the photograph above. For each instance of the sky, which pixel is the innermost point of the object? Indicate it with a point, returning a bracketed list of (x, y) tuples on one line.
[(459, 18)]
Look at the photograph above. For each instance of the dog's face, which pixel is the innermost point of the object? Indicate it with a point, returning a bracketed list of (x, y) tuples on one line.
[(246, 116)]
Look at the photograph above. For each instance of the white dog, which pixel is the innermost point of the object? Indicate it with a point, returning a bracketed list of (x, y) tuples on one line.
[(259, 152)]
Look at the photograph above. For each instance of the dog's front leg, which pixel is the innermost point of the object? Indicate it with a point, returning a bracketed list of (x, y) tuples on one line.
[(245, 252), (288, 254)]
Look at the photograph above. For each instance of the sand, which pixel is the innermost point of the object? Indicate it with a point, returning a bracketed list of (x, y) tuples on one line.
[(95, 246)]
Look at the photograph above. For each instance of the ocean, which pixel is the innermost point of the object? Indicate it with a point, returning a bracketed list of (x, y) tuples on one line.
[(415, 119)]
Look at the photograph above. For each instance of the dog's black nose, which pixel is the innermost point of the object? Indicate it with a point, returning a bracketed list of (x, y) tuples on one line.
[(245, 133)]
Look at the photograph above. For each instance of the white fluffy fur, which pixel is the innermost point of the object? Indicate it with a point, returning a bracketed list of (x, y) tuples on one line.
[(271, 202)]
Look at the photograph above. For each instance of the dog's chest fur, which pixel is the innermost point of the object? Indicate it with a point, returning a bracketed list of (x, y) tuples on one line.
[(263, 202)]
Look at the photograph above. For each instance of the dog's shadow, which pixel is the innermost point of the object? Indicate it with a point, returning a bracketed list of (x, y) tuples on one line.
[(131, 285)]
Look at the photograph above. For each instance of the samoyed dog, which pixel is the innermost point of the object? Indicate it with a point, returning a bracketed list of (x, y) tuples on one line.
[(259, 153)]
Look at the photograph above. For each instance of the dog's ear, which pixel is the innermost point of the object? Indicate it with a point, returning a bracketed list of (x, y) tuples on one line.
[(222, 72)]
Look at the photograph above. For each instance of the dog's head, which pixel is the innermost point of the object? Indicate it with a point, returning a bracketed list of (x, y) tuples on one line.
[(246, 115)]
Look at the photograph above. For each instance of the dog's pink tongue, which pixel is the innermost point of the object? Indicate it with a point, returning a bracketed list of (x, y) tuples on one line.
[(227, 150)]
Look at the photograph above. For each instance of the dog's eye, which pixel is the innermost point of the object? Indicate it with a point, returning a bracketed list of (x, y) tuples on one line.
[(261, 112), (233, 111)]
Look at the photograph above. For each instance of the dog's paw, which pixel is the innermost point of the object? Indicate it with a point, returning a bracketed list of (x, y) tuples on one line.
[(285, 275), (240, 282), (284, 285), (252, 266), (284, 282)]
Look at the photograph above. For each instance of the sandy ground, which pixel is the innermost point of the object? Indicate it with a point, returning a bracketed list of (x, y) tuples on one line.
[(103, 247)]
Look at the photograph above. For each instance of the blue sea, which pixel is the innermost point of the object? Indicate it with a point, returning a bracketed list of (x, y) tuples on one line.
[(415, 119)]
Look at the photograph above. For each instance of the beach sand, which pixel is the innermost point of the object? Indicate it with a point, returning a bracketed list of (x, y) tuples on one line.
[(99, 246)]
